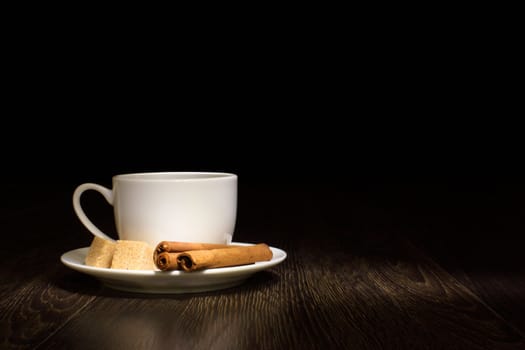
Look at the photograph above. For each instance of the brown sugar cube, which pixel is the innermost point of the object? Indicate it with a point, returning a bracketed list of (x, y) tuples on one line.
[(133, 255), (100, 253)]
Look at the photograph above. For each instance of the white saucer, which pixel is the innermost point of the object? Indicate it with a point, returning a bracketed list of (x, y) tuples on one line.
[(170, 281)]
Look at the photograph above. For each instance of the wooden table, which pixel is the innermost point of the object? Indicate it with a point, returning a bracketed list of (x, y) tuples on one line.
[(381, 267)]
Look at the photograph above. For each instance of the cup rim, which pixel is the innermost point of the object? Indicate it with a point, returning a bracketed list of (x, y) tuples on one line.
[(174, 176)]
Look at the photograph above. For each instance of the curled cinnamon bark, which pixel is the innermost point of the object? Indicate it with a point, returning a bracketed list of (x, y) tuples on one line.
[(234, 256), (167, 261), (173, 246)]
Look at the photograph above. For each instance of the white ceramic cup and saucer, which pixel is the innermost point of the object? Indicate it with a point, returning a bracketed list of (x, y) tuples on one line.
[(168, 206)]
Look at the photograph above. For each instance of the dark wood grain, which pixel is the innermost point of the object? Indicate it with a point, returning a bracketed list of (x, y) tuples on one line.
[(473, 229), (35, 300), (481, 244), (38, 308), (353, 279), (358, 299)]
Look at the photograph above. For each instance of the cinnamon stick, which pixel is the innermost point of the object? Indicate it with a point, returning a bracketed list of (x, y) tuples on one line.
[(173, 246), (167, 261), (223, 257)]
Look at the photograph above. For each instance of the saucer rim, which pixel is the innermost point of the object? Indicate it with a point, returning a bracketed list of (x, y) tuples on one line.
[(279, 255)]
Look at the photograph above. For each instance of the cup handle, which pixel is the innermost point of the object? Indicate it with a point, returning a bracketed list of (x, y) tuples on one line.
[(107, 193)]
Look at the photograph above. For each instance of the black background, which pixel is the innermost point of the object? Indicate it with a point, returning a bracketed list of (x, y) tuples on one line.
[(378, 130), (306, 140), (407, 120)]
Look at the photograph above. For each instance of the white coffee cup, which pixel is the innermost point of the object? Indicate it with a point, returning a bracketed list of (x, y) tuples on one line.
[(168, 206)]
